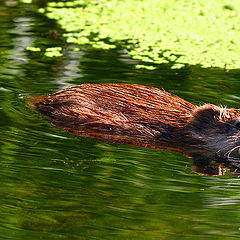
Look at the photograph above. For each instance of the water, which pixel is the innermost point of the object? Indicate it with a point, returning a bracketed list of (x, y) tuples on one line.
[(58, 186)]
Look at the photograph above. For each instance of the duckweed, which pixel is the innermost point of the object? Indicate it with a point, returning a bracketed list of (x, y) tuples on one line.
[(178, 32), (53, 52), (33, 49)]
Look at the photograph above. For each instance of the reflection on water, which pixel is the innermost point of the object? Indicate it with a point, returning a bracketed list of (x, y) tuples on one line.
[(58, 186)]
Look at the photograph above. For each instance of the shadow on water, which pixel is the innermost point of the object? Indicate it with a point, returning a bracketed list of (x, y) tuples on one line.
[(58, 186)]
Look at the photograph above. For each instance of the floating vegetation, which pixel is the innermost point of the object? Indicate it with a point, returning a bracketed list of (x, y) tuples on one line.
[(53, 52), (33, 49), (178, 32), (26, 1), (49, 52)]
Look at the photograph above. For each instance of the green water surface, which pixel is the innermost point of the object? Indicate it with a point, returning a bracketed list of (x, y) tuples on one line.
[(57, 186)]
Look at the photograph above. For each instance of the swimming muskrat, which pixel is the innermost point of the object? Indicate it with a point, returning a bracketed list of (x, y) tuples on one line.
[(145, 116)]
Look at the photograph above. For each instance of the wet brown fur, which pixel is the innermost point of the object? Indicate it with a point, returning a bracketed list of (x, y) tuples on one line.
[(143, 116)]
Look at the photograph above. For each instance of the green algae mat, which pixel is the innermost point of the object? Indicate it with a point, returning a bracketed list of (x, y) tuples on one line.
[(176, 32)]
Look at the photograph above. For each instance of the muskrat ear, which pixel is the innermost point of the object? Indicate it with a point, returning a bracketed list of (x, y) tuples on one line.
[(206, 116)]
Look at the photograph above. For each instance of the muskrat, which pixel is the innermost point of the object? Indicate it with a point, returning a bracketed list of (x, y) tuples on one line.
[(145, 116)]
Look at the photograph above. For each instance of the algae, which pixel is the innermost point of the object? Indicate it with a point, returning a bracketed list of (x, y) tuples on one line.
[(179, 32), (53, 52), (48, 52), (33, 49)]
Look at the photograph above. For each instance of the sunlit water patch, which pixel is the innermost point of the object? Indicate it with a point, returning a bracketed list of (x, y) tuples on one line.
[(58, 186)]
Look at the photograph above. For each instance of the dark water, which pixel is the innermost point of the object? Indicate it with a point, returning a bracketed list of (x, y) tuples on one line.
[(57, 186)]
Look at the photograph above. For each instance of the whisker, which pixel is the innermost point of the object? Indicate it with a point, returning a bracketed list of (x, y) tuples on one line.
[(228, 153)]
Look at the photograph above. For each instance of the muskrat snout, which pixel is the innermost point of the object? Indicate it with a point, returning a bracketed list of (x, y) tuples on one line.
[(219, 129)]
